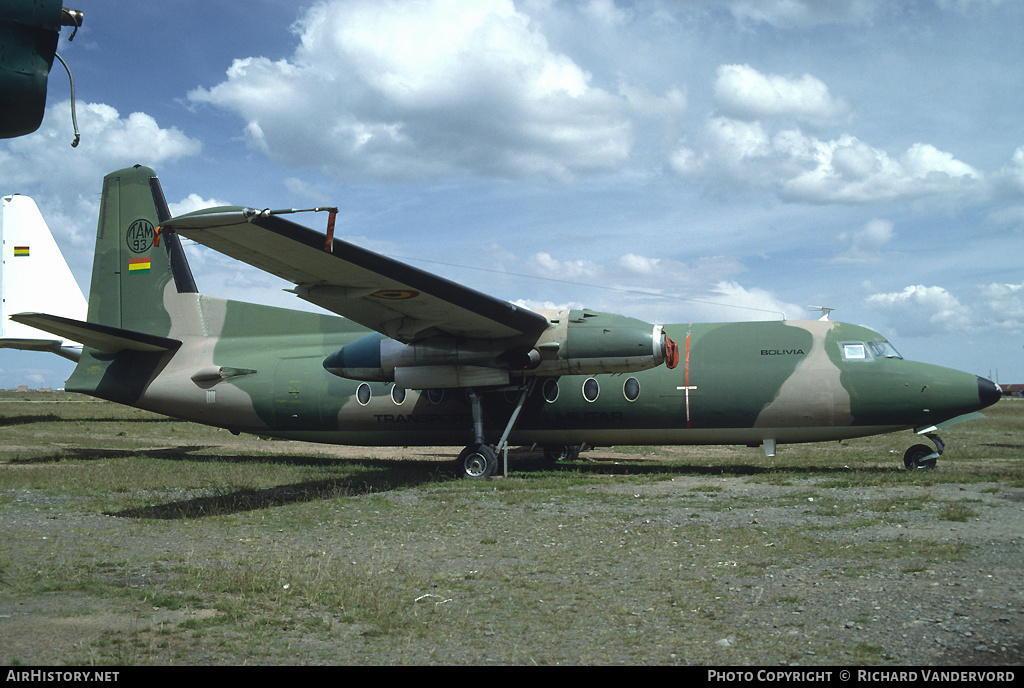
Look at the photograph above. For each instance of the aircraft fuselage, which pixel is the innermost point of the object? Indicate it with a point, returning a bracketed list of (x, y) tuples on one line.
[(260, 370)]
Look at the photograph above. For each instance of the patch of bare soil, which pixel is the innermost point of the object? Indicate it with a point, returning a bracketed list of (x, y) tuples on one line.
[(948, 610), (930, 607)]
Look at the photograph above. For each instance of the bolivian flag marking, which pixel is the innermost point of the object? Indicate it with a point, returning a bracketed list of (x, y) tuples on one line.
[(137, 266), (20, 251)]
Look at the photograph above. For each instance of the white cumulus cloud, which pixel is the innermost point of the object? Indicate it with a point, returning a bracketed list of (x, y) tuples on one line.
[(803, 13), (109, 141), (552, 268), (799, 167), (414, 88), (919, 310), (1003, 306), (194, 202), (867, 243), (66, 181), (742, 92), (1010, 177)]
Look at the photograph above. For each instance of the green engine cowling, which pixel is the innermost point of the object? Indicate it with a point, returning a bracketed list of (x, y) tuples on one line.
[(29, 30), (597, 343), (579, 342)]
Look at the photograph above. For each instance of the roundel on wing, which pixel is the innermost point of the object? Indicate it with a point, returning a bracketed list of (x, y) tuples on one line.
[(395, 294)]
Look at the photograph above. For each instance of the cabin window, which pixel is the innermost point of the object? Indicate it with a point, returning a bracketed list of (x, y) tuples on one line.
[(591, 390), (398, 395), (435, 396), (631, 389), (363, 394), (550, 390)]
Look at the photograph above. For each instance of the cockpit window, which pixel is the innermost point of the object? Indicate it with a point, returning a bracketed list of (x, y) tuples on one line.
[(866, 351), (884, 349), (854, 351)]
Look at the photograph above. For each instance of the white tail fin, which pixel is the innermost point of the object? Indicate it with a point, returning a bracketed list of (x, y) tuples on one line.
[(34, 278)]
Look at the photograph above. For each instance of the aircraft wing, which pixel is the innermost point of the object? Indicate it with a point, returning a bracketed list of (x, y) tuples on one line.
[(395, 299)]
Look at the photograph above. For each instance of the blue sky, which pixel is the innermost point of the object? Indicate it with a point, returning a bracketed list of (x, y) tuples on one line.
[(673, 161)]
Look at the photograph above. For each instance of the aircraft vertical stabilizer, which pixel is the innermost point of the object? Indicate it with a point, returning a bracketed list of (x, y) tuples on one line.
[(142, 295), (34, 278), (133, 269)]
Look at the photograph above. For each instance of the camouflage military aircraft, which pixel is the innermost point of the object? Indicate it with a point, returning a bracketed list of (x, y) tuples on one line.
[(420, 360)]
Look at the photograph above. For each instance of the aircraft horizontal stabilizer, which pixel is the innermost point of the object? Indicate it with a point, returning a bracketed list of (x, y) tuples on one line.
[(102, 337), (51, 345), (395, 299)]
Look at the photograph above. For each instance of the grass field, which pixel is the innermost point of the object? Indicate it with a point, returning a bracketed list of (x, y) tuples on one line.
[(130, 538)]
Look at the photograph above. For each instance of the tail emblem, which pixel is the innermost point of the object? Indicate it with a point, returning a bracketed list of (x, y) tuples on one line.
[(140, 236)]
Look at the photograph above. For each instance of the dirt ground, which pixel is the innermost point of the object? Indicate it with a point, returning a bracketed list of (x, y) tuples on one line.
[(934, 610)]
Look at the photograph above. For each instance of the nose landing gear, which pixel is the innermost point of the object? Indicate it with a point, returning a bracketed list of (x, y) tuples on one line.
[(921, 457)]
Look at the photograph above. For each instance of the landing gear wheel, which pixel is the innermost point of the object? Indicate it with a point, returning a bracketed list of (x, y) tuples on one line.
[(920, 457), (477, 461), (562, 452)]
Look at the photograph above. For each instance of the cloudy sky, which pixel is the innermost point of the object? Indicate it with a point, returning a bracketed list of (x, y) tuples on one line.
[(673, 161)]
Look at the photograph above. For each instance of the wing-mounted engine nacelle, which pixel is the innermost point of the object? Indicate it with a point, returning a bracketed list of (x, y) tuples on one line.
[(583, 342), (437, 362), (579, 343)]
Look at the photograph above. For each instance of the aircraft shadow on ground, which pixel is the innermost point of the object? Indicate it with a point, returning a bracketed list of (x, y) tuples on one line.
[(390, 474), (737, 470), (53, 418), (94, 454), (383, 475), (28, 420), (241, 500)]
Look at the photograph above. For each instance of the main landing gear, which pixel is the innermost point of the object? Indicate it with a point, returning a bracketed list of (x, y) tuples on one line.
[(921, 457), (480, 460), (562, 452)]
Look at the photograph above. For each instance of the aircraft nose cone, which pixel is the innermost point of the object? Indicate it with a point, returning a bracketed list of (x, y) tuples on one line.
[(988, 392)]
